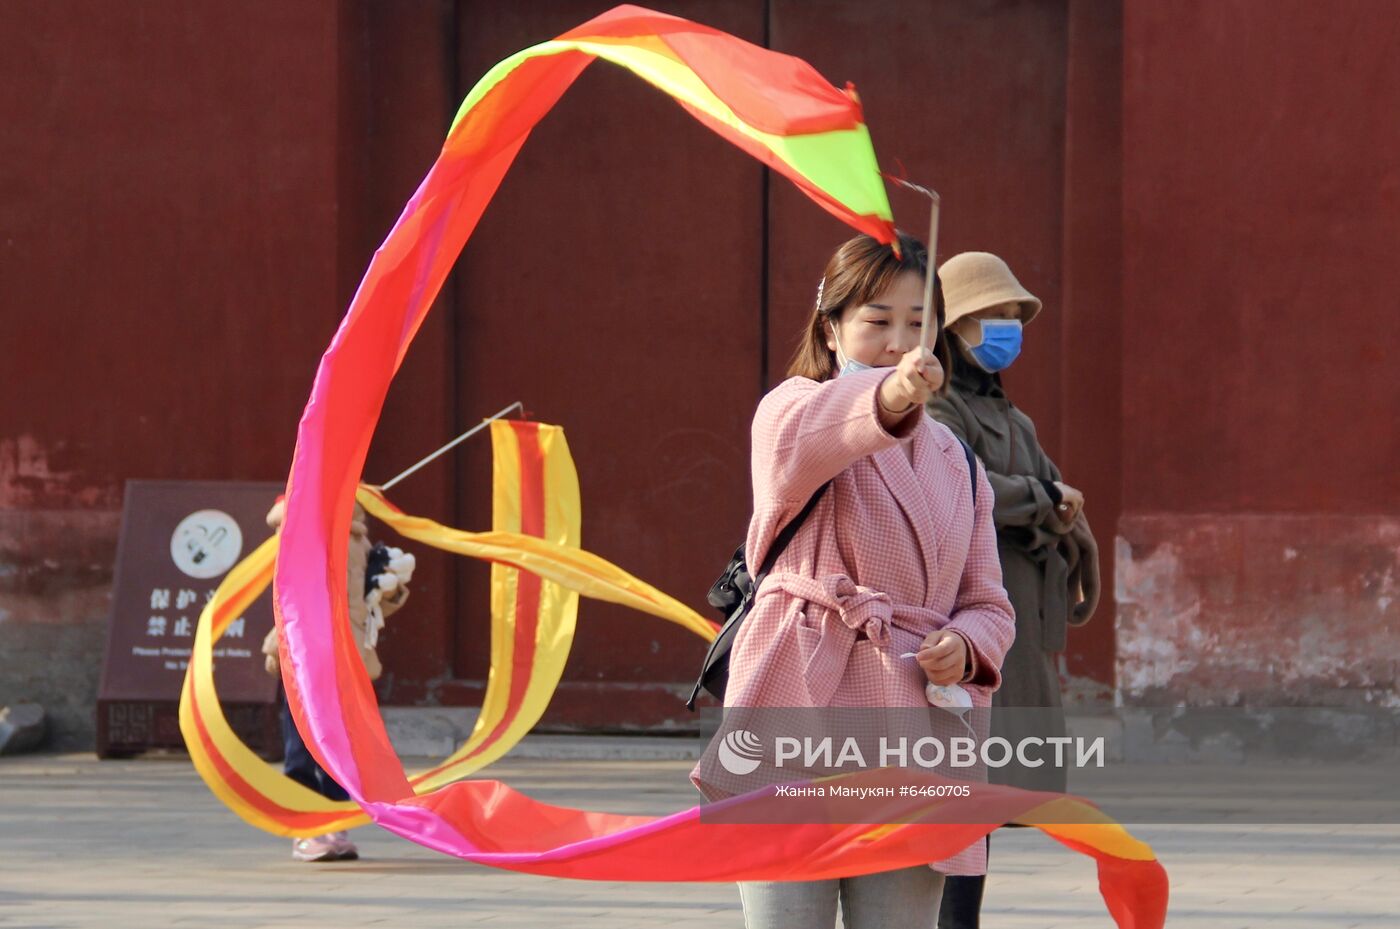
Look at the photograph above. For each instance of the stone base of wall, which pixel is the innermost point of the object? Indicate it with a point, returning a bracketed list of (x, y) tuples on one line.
[(1264, 610), (55, 595)]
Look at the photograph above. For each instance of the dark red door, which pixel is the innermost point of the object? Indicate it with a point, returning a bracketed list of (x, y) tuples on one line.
[(616, 285)]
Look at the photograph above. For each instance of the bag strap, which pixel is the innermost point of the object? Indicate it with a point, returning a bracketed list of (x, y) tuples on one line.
[(785, 536), (971, 468)]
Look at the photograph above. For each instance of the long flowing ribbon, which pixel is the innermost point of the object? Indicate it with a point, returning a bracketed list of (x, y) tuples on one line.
[(537, 573), (764, 103)]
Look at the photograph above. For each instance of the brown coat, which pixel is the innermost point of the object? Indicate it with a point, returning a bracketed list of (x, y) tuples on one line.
[(1050, 570)]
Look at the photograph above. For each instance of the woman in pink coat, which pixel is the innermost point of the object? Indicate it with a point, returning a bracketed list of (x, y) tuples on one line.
[(895, 557)]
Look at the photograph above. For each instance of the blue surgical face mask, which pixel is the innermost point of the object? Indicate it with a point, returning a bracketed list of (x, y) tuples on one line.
[(1001, 343), (848, 365)]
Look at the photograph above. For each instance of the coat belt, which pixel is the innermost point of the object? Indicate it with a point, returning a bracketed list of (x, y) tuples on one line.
[(861, 610)]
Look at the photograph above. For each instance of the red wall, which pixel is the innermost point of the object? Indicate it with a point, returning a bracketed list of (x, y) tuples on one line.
[(169, 213), (1261, 213), (168, 274), (1259, 553)]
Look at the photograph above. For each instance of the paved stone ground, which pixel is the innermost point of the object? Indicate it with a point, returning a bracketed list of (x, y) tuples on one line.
[(143, 844)]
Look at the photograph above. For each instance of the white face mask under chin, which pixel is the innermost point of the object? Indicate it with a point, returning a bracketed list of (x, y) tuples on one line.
[(848, 365)]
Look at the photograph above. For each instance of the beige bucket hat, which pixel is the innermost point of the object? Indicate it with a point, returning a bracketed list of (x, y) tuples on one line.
[(973, 281)]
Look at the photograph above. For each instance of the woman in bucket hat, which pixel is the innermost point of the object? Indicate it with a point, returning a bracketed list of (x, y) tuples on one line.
[(1049, 559)]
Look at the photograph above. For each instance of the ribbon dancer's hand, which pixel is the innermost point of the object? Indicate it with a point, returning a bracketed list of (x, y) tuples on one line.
[(943, 656)]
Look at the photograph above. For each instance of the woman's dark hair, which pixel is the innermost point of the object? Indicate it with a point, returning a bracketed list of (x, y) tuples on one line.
[(861, 270)]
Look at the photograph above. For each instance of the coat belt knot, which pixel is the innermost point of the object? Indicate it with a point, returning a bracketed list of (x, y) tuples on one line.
[(861, 609)]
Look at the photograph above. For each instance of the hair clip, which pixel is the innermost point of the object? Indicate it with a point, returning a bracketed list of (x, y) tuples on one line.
[(820, 289)]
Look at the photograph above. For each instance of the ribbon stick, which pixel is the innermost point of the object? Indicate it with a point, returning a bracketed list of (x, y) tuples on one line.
[(413, 469), (929, 320), (929, 331)]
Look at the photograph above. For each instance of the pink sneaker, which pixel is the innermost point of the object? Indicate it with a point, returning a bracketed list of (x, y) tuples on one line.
[(317, 848), (345, 850)]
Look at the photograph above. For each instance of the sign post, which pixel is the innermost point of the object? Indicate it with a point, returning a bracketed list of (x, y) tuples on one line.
[(178, 540)]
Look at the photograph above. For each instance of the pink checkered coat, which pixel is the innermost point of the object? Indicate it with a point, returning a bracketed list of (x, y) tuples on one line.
[(892, 550)]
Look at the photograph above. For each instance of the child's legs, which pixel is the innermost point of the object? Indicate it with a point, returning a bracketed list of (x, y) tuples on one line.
[(297, 762)]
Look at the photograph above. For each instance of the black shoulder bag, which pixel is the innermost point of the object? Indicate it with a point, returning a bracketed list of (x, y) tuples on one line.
[(733, 596)]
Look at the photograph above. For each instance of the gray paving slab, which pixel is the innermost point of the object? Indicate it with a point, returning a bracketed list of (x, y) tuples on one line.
[(142, 844)]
